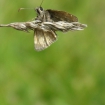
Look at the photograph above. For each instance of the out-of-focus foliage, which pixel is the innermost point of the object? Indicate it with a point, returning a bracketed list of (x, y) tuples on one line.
[(69, 72)]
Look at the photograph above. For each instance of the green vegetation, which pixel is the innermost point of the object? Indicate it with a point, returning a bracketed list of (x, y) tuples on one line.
[(70, 72)]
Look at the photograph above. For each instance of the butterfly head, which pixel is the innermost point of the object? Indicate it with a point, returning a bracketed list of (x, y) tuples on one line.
[(39, 10), (40, 13)]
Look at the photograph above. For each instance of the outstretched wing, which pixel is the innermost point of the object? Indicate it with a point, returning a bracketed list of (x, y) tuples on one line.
[(43, 39), (56, 16)]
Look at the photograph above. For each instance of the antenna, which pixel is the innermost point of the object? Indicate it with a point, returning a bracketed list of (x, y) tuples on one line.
[(23, 9), (29, 8), (41, 3)]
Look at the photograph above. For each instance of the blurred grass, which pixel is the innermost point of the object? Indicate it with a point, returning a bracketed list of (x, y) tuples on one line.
[(69, 72)]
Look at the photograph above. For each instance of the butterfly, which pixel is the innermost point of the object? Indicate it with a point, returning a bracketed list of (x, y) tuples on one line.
[(43, 38)]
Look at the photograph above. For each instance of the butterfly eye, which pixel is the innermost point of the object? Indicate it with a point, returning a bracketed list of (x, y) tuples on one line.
[(37, 11), (41, 8)]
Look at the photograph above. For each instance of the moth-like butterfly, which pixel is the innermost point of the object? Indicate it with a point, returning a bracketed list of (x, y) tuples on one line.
[(42, 38), (46, 24)]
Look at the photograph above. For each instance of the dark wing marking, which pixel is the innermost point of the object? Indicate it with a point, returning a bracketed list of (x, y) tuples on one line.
[(62, 16), (43, 39)]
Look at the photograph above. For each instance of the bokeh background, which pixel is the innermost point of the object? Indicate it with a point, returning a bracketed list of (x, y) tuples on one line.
[(70, 72)]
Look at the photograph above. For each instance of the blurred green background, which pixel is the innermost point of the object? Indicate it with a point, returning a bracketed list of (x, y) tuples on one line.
[(70, 72)]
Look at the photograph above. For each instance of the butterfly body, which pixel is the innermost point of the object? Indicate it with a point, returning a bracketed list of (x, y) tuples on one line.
[(43, 38)]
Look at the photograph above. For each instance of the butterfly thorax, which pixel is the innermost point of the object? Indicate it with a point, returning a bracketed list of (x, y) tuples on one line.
[(42, 15)]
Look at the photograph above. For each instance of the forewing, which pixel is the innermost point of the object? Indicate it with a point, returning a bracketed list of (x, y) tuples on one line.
[(43, 39), (62, 16)]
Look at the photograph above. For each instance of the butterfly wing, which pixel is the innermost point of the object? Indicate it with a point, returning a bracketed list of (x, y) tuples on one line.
[(43, 39), (61, 16)]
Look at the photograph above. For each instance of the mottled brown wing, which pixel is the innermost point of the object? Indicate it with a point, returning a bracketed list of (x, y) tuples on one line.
[(62, 16), (43, 39)]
